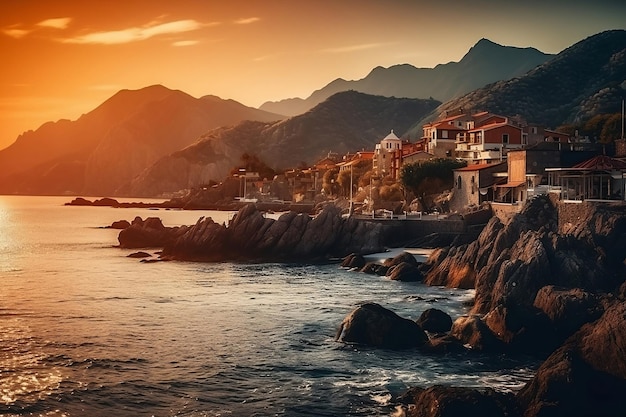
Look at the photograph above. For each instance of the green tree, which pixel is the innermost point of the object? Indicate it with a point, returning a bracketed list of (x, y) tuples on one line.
[(429, 177)]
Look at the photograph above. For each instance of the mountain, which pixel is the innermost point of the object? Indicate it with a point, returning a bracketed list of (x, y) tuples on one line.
[(127, 133), (346, 122), (486, 62), (585, 79)]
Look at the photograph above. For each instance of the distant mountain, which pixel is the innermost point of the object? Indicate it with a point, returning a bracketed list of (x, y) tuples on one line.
[(585, 79), (101, 150), (486, 62), (346, 122)]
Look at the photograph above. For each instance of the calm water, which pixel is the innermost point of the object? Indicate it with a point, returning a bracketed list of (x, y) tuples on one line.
[(86, 331)]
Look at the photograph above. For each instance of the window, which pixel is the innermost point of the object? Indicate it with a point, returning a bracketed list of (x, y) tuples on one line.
[(505, 138), (444, 134), (458, 182)]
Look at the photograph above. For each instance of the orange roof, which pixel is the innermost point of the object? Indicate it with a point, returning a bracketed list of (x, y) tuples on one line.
[(601, 163)]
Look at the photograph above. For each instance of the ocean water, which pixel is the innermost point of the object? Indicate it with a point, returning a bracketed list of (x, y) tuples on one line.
[(87, 331)]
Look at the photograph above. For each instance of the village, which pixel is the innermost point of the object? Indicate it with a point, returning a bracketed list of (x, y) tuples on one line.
[(502, 161)]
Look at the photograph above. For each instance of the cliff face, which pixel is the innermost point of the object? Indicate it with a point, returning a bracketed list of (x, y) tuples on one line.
[(512, 260)]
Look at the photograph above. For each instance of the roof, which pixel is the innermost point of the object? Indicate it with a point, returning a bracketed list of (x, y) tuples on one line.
[(512, 184), (478, 167), (601, 163), (494, 126), (391, 136)]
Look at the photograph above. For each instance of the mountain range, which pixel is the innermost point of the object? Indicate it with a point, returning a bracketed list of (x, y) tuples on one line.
[(154, 140), (486, 62)]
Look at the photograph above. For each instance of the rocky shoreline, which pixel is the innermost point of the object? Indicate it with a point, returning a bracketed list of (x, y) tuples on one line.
[(549, 283), (252, 237)]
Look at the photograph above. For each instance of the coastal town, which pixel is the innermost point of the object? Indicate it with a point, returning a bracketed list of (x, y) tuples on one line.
[(502, 161)]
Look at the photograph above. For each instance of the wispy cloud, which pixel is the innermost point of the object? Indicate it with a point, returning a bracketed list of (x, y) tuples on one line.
[(15, 32), (58, 23), (136, 34), (353, 48), (247, 20), (186, 43)]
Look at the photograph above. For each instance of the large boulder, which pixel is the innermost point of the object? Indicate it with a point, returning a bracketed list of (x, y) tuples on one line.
[(584, 377), (475, 334), (404, 271), (435, 321), (373, 325), (444, 401), (354, 260)]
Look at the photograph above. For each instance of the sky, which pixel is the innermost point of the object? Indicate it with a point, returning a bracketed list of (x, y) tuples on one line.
[(62, 58)]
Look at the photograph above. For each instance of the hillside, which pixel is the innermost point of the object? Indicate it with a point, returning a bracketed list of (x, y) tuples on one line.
[(486, 62), (585, 79), (346, 122), (116, 141)]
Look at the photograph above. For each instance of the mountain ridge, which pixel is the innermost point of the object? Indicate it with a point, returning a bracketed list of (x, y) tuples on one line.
[(484, 63)]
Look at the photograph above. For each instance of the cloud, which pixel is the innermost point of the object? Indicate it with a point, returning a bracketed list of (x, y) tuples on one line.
[(137, 34), (186, 43), (58, 23), (247, 21), (105, 87), (16, 32), (353, 48)]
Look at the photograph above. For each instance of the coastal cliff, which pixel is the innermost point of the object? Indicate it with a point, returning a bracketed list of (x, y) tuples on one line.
[(549, 281)]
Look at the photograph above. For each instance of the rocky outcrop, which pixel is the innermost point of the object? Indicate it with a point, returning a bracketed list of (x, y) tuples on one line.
[(293, 236), (511, 261), (584, 377), (149, 233), (442, 401), (474, 333), (373, 325)]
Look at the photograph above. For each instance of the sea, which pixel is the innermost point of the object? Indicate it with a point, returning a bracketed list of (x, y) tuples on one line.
[(86, 330)]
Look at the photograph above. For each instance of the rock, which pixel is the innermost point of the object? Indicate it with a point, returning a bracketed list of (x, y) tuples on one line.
[(353, 261), (120, 225), (435, 321), (443, 401), (405, 257), (443, 344), (139, 255), (375, 268), (374, 325), (147, 234), (404, 271), (584, 377), (568, 309), (473, 332), (522, 329), (292, 237)]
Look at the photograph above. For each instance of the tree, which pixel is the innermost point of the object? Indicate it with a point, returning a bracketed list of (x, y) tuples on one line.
[(612, 129), (329, 182), (429, 177)]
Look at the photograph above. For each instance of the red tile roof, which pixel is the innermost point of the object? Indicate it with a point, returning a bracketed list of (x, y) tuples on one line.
[(601, 163)]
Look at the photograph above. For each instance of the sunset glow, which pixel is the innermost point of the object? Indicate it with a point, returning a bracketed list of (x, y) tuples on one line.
[(65, 58)]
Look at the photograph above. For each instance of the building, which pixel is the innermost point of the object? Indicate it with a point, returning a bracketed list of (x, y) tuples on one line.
[(490, 141), (599, 178), (474, 184), (386, 160)]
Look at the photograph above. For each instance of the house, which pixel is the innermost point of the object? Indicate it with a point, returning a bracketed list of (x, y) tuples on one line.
[(489, 141), (386, 160), (439, 137), (598, 178), (474, 184)]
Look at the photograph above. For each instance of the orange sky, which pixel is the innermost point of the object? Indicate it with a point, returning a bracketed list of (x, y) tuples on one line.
[(63, 58)]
